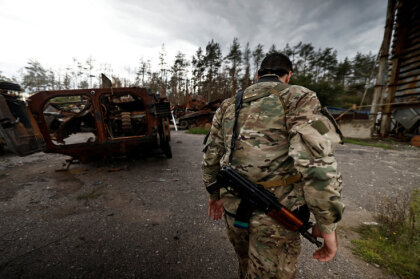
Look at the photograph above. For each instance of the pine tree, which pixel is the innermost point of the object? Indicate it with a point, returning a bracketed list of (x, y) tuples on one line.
[(51, 82), (66, 81), (287, 50), (306, 53), (234, 59), (177, 80), (212, 61), (343, 71), (272, 49), (163, 79), (35, 76), (294, 52), (257, 56), (362, 65), (328, 63), (141, 73), (89, 67), (246, 79), (198, 64)]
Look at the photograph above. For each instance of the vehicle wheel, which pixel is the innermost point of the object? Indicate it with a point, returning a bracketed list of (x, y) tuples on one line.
[(183, 124), (167, 150)]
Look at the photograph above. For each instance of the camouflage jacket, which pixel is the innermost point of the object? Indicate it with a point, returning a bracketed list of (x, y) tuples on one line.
[(272, 145)]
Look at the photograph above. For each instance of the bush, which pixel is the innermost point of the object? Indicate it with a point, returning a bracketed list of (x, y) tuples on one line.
[(395, 242), (393, 213)]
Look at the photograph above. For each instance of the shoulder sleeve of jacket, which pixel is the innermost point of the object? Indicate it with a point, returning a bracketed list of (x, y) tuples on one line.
[(312, 139), (214, 148)]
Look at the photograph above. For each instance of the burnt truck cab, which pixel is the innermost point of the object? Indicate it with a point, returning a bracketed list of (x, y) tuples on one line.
[(89, 124)]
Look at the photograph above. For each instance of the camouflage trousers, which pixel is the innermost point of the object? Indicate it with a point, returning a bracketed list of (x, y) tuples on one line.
[(265, 250)]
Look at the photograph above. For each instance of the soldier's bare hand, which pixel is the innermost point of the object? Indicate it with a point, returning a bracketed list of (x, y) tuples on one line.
[(215, 209), (329, 249)]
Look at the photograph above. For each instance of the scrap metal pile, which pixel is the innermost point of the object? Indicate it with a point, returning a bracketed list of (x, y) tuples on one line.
[(195, 112)]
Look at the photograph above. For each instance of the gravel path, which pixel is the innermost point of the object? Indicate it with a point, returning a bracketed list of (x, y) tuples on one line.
[(146, 217)]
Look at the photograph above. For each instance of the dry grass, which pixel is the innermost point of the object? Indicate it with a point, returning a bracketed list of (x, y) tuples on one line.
[(395, 243)]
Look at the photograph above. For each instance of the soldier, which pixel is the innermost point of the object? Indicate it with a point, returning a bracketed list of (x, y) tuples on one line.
[(283, 135)]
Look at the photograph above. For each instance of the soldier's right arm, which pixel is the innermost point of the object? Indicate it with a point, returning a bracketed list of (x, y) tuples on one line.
[(214, 150)]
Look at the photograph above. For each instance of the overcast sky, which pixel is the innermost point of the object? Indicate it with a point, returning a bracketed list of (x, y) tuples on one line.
[(122, 32)]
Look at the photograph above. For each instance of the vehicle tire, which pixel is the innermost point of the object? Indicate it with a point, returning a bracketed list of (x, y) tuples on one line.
[(167, 150), (183, 124), (1, 149)]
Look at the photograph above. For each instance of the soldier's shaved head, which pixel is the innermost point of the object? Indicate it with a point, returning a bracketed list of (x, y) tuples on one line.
[(275, 63)]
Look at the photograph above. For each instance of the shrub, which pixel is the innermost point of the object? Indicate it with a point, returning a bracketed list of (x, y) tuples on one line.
[(395, 242)]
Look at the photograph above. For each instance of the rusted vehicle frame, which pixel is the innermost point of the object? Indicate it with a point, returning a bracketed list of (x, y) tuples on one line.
[(157, 134)]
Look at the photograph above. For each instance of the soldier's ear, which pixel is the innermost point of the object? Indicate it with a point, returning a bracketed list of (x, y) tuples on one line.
[(288, 77)]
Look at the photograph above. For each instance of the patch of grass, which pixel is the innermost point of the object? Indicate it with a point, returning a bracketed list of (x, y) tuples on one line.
[(366, 143), (91, 195), (198, 131), (395, 243)]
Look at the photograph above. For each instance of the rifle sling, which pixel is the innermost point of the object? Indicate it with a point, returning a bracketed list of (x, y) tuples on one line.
[(238, 106)]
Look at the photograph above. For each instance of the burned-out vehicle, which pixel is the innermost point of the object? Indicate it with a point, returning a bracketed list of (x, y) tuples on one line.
[(18, 130), (200, 116), (89, 124)]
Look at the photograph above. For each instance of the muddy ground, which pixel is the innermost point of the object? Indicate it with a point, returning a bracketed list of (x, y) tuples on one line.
[(147, 217)]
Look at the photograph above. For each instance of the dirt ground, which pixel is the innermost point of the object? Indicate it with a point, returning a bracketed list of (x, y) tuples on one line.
[(147, 217)]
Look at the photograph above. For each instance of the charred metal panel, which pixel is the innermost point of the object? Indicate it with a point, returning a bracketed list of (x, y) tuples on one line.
[(18, 128)]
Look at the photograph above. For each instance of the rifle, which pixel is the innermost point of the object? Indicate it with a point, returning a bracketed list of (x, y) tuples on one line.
[(257, 197)]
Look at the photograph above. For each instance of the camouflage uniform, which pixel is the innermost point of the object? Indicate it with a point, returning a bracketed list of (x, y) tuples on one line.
[(273, 145)]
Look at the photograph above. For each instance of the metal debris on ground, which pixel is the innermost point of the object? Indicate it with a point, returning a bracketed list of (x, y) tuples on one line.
[(195, 112)]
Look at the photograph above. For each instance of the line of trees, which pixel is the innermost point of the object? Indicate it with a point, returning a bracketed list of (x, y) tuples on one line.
[(214, 75)]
